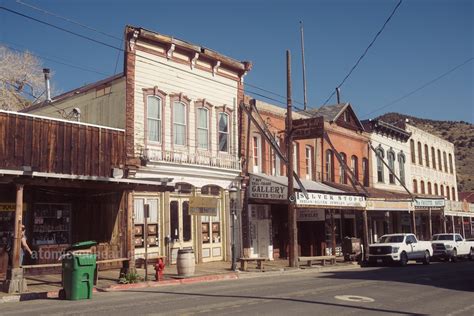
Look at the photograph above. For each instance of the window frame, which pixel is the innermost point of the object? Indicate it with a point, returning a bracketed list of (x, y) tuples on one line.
[(401, 166), (230, 121), (342, 170), (380, 155), (412, 151), (181, 98), (365, 172), (427, 156), (355, 167), (309, 162), (391, 163), (420, 153), (162, 96), (329, 165), (257, 153), (199, 105), (219, 132)]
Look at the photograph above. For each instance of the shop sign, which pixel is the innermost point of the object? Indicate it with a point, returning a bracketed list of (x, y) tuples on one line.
[(330, 200), (308, 128), (9, 207), (203, 205), (381, 205), (426, 203), (309, 215), (261, 188)]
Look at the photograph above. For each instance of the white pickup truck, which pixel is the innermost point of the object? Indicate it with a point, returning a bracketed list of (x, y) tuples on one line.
[(452, 246), (400, 248)]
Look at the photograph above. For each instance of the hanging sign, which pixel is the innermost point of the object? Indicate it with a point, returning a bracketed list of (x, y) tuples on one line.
[(203, 205), (330, 200), (308, 128), (261, 188), (309, 215), (425, 203)]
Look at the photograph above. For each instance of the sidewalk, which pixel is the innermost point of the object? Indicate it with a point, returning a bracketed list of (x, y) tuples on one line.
[(48, 285)]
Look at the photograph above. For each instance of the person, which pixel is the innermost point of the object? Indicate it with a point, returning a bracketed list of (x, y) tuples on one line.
[(3, 261), (24, 245)]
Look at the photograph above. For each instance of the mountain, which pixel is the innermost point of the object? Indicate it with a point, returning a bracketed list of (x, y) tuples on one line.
[(460, 133)]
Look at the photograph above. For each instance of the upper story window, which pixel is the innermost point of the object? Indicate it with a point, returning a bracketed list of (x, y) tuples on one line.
[(202, 123), (436, 189), (420, 154), (401, 166), (412, 151), (276, 162), (440, 164), (342, 169), (453, 191), (391, 164), (355, 167), (153, 117), (451, 167), (365, 171), (415, 186), (257, 153), (295, 157), (380, 155), (433, 158), (430, 192), (309, 162), (448, 193), (422, 187), (427, 156), (445, 162), (223, 132), (329, 165), (441, 189), (179, 123)]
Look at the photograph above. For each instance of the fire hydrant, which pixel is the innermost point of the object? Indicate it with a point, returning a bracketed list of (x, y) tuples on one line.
[(159, 268)]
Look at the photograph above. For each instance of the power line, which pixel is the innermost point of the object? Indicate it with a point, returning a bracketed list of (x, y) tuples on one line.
[(421, 87), (365, 51), (67, 19)]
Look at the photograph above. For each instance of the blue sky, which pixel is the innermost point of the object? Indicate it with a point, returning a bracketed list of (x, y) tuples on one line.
[(423, 40)]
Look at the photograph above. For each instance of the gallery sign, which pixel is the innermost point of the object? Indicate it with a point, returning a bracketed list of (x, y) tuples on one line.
[(261, 188), (330, 200), (310, 215), (428, 203)]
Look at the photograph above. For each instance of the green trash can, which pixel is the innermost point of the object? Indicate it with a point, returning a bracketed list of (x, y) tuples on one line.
[(78, 270)]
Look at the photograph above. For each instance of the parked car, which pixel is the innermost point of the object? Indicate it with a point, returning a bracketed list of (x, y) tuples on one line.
[(400, 248), (452, 246)]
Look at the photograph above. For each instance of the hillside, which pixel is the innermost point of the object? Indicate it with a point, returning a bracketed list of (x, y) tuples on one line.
[(461, 134)]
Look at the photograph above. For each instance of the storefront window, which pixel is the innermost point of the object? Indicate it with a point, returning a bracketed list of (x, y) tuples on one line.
[(51, 224), (211, 229), (152, 222)]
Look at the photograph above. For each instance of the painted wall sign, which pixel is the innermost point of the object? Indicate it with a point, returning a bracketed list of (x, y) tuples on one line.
[(261, 188), (203, 205), (323, 199), (308, 128), (309, 215), (429, 203)]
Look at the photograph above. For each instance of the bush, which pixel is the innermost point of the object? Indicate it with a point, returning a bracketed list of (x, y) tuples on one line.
[(129, 278)]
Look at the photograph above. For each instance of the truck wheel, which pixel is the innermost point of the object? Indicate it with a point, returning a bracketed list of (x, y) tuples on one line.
[(454, 256), (426, 258), (403, 259)]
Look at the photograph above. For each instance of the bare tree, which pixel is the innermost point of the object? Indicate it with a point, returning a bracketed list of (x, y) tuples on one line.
[(21, 79)]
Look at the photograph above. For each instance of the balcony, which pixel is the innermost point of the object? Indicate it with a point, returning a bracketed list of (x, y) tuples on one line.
[(41, 144)]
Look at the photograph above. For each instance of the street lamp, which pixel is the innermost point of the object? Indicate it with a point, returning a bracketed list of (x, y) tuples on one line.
[(233, 201)]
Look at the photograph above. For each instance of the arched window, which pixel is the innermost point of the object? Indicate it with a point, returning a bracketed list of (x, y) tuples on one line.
[(433, 158), (445, 161), (179, 123), (391, 164), (355, 167), (329, 165), (342, 171), (448, 193), (453, 191), (420, 154), (422, 187), (223, 132), (401, 166), (412, 151), (441, 188), (365, 171), (436, 189), (211, 190), (427, 156), (440, 164), (451, 166), (415, 186), (430, 192), (380, 155), (153, 118)]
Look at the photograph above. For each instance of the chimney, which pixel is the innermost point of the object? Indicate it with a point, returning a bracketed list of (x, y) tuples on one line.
[(46, 82)]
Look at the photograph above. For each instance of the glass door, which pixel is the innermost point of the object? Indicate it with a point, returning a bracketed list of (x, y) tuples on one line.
[(181, 232)]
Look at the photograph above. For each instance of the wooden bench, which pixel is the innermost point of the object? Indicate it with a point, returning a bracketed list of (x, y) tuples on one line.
[(322, 259), (244, 263)]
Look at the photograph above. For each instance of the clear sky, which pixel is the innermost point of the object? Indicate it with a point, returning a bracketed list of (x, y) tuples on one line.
[(424, 39)]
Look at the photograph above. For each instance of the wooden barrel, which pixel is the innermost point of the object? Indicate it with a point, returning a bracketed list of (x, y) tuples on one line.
[(185, 263)]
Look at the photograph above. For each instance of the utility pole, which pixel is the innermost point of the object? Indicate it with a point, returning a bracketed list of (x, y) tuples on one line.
[(304, 66), (292, 228)]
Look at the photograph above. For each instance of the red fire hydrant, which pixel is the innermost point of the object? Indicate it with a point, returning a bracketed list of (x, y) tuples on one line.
[(159, 268)]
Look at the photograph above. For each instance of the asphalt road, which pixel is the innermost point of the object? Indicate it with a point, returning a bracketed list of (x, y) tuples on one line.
[(437, 289)]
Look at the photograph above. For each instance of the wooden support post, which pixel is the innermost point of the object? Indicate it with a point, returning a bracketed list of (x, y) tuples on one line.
[(430, 223), (333, 234), (413, 223), (130, 245), (365, 234)]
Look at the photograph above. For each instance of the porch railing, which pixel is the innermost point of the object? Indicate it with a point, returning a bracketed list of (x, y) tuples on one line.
[(191, 157)]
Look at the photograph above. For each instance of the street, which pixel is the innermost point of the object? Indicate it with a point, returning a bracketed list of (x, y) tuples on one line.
[(437, 289)]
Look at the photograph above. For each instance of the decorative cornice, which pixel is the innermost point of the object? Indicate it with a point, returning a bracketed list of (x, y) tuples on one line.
[(169, 52), (194, 59), (216, 67), (133, 40)]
